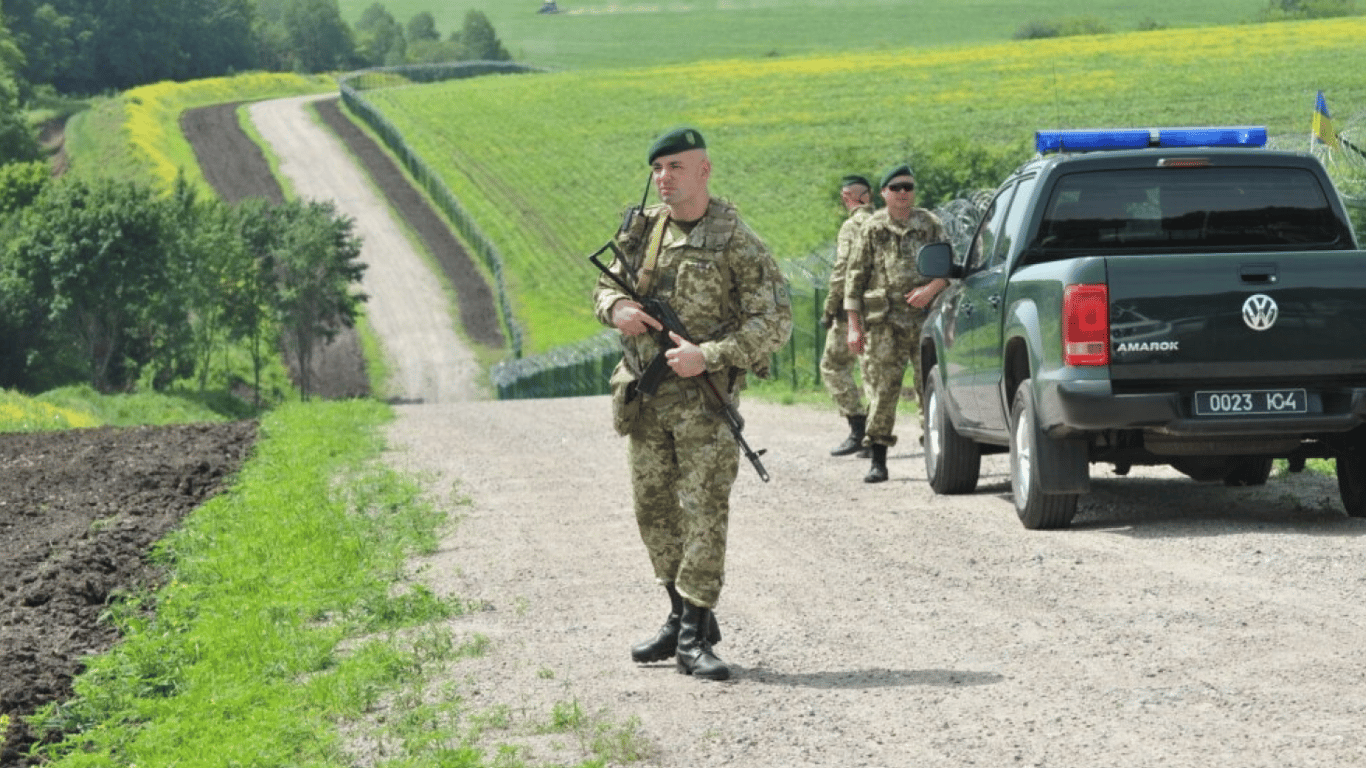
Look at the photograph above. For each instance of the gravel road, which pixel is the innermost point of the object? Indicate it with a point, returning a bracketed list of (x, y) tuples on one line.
[(1176, 624), (429, 361)]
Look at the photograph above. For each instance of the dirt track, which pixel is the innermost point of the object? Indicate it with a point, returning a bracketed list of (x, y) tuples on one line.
[(1176, 624)]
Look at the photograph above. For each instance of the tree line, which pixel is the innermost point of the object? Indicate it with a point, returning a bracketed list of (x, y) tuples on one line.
[(122, 286), (85, 47)]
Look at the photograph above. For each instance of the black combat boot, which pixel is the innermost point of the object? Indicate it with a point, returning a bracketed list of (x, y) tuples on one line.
[(694, 650), (665, 642), (854, 441), (878, 472)]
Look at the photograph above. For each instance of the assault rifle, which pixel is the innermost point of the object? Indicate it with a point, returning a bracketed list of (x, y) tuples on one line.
[(659, 367)]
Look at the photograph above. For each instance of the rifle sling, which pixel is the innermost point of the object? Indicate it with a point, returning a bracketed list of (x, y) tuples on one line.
[(656, 244)]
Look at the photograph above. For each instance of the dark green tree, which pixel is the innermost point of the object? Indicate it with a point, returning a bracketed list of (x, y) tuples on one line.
[(425, 45), (45, 36), (94, 256), (207, 258), (478, 41), (248, 289), (380, 39), (20, 184), (87, 46), (316, 265), (17, 140), (422, 26), (318, 39)]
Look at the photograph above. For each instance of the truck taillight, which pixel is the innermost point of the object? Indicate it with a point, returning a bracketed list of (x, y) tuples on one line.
[(1086, 325)]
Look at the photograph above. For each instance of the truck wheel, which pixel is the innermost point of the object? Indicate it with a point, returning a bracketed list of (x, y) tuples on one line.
[(1249, 470), (1352, 483), (1037, 510), (952, 462)]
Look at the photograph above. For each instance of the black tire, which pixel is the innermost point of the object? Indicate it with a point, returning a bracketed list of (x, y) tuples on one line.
[(953, 463), (1037, 510), (1352, 482), (1249, 470)]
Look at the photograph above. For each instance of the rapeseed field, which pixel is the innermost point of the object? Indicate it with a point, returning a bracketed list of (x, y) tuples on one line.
[(546, 162)]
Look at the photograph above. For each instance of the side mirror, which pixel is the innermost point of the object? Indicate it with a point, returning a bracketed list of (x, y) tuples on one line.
[(935, 260)]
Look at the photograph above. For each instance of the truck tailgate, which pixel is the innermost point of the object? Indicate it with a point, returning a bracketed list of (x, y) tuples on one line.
[(1247, 318)]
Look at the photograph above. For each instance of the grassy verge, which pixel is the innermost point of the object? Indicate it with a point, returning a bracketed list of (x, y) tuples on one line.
[(244, 651), (290, 635)]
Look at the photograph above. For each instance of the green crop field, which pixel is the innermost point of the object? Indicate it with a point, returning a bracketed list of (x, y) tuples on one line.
[(592, 33), (546, 162)]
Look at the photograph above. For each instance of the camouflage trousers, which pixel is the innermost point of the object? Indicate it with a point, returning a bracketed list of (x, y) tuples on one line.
[(837, 371), (683, 463), (889, 348)]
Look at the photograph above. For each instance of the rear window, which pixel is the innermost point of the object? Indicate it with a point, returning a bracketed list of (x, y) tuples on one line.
[(1205, 208)]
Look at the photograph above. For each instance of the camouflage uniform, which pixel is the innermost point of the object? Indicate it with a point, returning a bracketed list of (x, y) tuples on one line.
[(725, 287), (881, 272), (837, 361)]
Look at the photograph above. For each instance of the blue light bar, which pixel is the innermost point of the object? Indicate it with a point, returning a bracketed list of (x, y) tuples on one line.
[(1086, 140), (1234, 136)]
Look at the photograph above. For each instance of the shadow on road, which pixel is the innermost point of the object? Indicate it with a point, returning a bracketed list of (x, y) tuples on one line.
[(871, 678)]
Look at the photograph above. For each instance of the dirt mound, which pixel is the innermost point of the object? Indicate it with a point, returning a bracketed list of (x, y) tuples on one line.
[(79, 511)]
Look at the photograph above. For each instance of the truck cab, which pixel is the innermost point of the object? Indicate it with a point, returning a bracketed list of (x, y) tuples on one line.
[(1165, 296)]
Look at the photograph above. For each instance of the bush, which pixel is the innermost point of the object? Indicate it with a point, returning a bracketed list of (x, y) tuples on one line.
[(1293, 10), (1067, 27)]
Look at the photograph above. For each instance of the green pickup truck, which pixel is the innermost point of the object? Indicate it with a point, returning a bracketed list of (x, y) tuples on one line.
[(1169, 296)]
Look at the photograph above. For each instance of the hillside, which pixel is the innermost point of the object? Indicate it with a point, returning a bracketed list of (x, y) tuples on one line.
[(597, 33), (783, 130)]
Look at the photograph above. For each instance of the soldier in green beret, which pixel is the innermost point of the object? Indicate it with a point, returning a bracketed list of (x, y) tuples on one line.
[(886, 300), (694, 252), (837, 360)]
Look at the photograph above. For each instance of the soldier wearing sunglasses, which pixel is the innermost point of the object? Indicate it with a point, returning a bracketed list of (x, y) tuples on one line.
[(886, 300)]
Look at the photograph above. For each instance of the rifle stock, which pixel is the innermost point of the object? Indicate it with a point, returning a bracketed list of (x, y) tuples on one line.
[(659, 367)]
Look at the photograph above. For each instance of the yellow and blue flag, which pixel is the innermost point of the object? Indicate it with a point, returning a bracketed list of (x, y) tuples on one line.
[(1323, 123)]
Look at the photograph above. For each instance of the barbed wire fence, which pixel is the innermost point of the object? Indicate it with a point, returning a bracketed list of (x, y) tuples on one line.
[(583, 368)]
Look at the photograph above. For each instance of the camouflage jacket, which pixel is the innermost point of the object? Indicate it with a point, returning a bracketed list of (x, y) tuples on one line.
[(881, 268), (721, 281), (844, 245)]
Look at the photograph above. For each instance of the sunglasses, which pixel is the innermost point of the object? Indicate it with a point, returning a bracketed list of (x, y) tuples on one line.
[(902, 187)]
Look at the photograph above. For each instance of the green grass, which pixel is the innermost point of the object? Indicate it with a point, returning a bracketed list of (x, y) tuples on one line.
[(79, 407), (243, 650), (21, 413), (122, 410), (597, 33), (289, 619), (97, 144), (546, 162), (136, 135)]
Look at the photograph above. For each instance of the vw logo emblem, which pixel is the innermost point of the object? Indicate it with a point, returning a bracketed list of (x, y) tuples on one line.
[(1260, 311)]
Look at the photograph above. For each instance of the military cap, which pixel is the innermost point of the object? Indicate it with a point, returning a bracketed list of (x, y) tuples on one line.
[(680, 139), (901, 169), (852, 179)]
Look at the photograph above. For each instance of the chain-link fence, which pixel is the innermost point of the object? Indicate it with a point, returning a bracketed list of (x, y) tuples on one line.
[(352, 86), (583, 368)]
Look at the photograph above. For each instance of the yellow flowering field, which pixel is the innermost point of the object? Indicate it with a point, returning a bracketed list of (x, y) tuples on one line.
[(152, 113), (546, 162), (19, 413)]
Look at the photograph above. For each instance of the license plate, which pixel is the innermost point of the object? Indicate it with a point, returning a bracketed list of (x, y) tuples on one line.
[(1251, 402)]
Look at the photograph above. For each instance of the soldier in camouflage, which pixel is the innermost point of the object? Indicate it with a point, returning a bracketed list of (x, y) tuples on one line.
[(886, 300), (837, 361), (696, 253)]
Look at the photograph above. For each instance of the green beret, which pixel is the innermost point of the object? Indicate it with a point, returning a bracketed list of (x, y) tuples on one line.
[(680, 139), (895, 171), (852, 179)]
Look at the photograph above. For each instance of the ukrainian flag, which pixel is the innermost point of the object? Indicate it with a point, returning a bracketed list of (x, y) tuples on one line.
[(1323, 124)]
